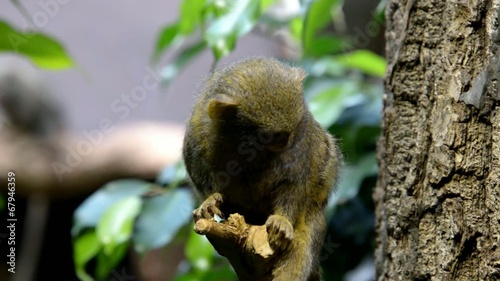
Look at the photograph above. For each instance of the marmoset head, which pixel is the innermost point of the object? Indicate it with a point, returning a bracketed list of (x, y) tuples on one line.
[(259, 92)]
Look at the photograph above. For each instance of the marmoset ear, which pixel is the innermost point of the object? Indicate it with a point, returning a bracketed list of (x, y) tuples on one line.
[(222, 107)]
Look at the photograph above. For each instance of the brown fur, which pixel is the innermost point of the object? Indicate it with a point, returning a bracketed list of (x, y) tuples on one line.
[(252, 147)]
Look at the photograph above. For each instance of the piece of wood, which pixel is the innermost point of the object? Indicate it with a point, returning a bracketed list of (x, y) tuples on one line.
[(245, 246)]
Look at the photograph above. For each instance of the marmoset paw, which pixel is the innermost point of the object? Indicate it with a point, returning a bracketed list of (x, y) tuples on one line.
[(280, 232), (209, 208)]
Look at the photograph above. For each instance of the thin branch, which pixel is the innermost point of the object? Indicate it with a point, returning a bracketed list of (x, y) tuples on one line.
[(245, 246), (23, 11)]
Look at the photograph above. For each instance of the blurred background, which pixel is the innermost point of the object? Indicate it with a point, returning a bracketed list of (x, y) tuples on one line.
[(112, 44), (116, 87)]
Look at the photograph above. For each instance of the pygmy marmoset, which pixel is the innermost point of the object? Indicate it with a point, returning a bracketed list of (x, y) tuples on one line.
[(252, 147)]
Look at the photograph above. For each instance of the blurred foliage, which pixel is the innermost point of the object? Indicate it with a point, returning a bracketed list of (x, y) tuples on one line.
[(125, 211), (213, 24), (44, 51), (202, 263)]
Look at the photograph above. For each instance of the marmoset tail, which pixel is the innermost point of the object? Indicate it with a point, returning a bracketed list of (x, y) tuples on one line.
[(252, 147)]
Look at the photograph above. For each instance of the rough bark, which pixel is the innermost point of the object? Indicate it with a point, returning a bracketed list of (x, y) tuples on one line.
[(438, 193)]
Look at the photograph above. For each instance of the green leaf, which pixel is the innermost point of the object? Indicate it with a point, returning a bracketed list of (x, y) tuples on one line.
[(172, 175), (296, 26), (318, 16), (168, 36), (221, 274), (43, 51), (85, 247), (214, 9), (169, 72), (191, 12), (365, 61), (351, 178), (356, 140), (92, 209), (189, 276), (199, 252), (327, 66), (328, 105), (380, 11), (365, 111), (325, 45), (240, 18), (106, 263), (161, 219), (264, 4), (116, 225)]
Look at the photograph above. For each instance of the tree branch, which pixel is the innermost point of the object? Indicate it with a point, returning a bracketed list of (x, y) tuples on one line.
[(245, 246)]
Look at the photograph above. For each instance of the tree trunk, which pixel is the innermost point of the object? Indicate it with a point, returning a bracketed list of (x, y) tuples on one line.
[(438, 193)]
